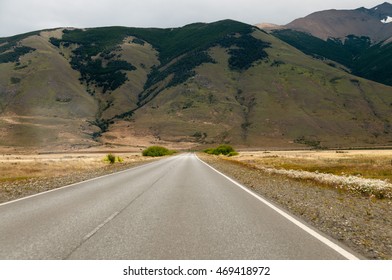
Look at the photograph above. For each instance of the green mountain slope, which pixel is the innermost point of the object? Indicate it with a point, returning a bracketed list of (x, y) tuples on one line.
[(202, 84), (283, 100), (41, 99), (371, 61)]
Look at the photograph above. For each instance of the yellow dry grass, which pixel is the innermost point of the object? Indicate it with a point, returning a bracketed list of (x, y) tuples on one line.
[(19, 167), (373, 164)]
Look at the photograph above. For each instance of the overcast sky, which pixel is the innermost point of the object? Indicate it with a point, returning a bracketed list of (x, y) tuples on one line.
[(20, 16)]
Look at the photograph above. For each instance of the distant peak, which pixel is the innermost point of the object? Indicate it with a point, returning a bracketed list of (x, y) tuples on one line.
[(384, 5)]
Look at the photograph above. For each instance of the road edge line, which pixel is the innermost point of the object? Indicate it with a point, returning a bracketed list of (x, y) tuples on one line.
[(289, 217), (77, 183)]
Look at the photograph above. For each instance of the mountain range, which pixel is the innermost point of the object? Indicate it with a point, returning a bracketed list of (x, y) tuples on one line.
[(359, 39), (314, 83)]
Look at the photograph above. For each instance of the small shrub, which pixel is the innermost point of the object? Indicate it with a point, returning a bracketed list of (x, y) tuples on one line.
[(138, 41), (15, 80), (226, 150), (157, 151), (110, 158), (232, 154)]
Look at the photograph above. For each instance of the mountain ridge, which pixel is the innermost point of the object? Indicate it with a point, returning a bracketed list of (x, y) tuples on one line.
[(342, 23)]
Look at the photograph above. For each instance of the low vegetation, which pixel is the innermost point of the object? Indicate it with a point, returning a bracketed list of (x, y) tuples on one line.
[(244, 51), (21, 167), (226, 150), (14, 54), (23, 175), (365, 172), (95, 57), (11, 49), (157, 151), (109, 77), (110, 158)]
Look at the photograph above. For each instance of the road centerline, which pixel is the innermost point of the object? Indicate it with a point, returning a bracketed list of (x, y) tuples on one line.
[(113, 216), (94, 231)]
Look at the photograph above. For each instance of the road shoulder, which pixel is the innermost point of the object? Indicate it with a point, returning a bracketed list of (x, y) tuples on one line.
[(361, 223)]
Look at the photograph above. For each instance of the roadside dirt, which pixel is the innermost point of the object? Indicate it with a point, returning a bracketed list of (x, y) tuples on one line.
[(362, 223)]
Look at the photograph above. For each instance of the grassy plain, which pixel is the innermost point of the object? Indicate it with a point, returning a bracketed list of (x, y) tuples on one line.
[(20, 167), (372, 164)]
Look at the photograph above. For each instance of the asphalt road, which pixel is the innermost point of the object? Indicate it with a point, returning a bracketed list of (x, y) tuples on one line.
[(176, 208)]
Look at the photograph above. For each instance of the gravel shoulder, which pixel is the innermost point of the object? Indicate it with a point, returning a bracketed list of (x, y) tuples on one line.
[(362, 223)]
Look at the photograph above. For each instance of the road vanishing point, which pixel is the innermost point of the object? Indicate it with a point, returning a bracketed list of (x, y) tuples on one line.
[(175, 208)]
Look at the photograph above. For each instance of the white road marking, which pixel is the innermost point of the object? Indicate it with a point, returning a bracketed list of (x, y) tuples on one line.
[(94, 231), (304, 227)]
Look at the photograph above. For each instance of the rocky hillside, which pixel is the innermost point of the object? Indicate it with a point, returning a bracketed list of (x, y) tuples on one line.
[(198, 85), (374, 23)]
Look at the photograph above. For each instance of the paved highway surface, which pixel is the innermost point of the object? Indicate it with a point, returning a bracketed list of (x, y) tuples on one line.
[(175, 208)]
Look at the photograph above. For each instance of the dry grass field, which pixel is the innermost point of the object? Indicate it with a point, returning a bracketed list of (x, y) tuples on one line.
[(27, 174), (373, 164), (21, 167), (365, 171)]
